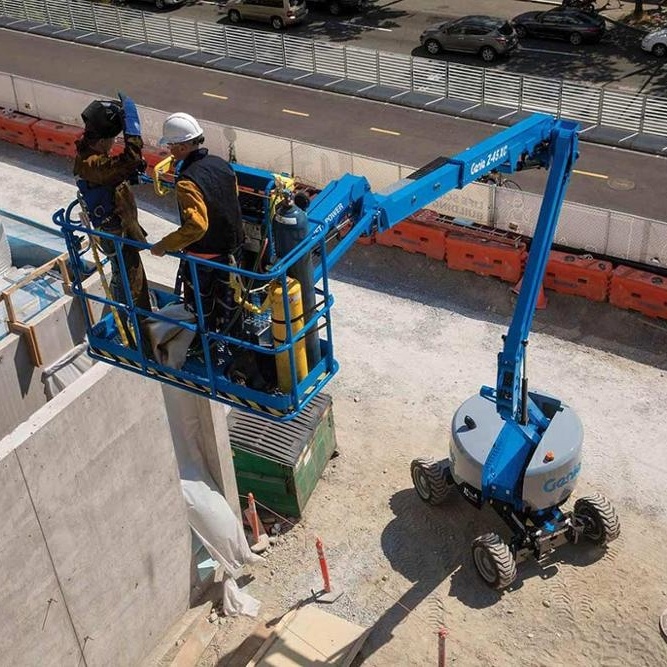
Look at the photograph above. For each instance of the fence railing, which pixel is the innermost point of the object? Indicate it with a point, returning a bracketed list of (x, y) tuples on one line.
[(633, 112)]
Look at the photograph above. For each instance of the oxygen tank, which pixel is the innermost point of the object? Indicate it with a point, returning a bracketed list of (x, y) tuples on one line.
[(290, 227), (279, 330)]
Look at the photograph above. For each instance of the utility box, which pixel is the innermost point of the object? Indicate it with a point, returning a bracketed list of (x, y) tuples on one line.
[(280, 463)]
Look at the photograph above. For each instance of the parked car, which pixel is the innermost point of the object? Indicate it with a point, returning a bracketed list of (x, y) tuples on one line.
[(487, 36), (656, 43), (163, 4), (279, 13), (337, 7), (571, 25)]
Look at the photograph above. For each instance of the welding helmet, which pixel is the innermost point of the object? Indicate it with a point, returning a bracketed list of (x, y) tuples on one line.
[(103, 118)]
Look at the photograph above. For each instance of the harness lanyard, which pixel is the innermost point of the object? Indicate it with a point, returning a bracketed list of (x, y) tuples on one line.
[(123, 331)]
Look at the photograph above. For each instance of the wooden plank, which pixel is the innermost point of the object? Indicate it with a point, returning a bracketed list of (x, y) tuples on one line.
[(309, 636)]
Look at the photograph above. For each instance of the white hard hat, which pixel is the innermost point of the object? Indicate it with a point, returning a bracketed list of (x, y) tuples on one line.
[(180, 127)]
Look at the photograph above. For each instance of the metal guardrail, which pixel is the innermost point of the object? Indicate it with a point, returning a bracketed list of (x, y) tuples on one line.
[(633, 112)]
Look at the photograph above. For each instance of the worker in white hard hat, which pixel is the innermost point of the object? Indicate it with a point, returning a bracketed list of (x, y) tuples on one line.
[(211, 225)]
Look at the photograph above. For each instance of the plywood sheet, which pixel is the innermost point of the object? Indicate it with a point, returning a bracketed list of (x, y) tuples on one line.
[(310, 636)]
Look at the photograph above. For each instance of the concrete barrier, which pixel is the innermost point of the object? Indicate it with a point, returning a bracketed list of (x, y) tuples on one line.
[(98, 563)]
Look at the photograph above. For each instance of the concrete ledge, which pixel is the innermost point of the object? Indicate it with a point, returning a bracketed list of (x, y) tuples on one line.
[(418, 100), (348, 86), (381, 93), (487, 113), (256, 69), (286, 74)]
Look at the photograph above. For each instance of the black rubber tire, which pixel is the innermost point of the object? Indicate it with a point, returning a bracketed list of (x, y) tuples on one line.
[(659, 50), (433, 46), (277, 23), (494, 561), (233, 16), (601, 524), (159, 4), (521, 31), (334, 8), (576, 39), (432, 479), (488, 54)]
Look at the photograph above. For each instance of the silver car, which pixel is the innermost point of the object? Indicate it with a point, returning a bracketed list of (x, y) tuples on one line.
[(487, 36), (656, 43)]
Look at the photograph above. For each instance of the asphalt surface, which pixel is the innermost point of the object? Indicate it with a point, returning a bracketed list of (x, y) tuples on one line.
[(395, 25), (605, 177)]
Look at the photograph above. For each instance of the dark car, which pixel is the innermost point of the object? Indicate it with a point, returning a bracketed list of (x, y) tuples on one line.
[(336, 7), (569, 24), (487, 36)]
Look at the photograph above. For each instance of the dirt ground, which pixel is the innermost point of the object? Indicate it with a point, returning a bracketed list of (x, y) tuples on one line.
[(414, 340)]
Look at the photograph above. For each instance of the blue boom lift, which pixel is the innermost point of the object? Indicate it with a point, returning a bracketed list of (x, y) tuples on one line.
[(516, 449)]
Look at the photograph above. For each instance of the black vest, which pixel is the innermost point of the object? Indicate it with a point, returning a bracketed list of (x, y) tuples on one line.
[(217, 182)]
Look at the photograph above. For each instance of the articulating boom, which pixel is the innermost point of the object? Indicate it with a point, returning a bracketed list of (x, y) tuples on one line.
[(539, 140)]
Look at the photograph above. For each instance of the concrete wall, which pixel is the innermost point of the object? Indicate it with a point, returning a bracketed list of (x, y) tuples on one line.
[(58, 329), (95, 552)]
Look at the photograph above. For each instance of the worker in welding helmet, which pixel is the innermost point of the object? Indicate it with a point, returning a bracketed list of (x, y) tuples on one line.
[(104, 182), (211, 225)]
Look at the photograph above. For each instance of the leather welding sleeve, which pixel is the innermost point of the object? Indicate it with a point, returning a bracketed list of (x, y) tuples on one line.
[(101, 169), (194, 218)]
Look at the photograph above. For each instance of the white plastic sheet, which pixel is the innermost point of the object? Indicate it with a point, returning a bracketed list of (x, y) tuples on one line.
[(170, 342), (209, 514), (66, 370)]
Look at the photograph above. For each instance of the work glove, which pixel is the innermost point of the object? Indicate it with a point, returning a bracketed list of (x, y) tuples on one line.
[(131, 123)]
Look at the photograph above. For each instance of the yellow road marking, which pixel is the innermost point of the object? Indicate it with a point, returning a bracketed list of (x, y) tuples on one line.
[(296, 113), (591, 174), (379, 129), (217, 97)]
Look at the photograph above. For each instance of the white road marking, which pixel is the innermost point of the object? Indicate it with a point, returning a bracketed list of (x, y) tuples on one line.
[(379, 129), (555, 53), (296, 113), (217, 97), (367, 27)]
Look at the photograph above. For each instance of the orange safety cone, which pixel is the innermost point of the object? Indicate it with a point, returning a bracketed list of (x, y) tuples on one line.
[(326, 594), (542, 300)]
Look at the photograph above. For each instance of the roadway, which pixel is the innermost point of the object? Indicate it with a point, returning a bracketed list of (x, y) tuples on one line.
[(395, 26), (605, 177)]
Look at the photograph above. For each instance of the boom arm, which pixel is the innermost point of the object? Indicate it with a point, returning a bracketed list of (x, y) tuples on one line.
[(539, 140)]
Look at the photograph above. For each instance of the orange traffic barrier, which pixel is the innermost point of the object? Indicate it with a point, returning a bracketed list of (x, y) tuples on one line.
[(415, 237), (426, 216), (542, 301), (56, 138), (578, 275), (17, 128), (642, 291), (324, 567), (486, 257)]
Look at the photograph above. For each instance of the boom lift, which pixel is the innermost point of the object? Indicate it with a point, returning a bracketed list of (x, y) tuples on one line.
[(516, 449)]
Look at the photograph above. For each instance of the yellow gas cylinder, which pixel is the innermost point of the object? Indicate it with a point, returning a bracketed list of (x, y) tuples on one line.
[(278, 329)]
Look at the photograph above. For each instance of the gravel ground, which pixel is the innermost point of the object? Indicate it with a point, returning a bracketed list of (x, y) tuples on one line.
[(414, 340)]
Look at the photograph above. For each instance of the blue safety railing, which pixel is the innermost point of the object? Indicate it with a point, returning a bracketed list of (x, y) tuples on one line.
[(204, 374)]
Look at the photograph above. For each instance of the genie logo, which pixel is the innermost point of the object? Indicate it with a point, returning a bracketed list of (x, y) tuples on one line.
[(552, 484)]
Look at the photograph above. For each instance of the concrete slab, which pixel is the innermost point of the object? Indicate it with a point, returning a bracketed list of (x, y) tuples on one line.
[(450, 106), (317, 80), (417, 100), (488, 113), (649, 143), (286, 74), (310, 636), (199, 58), (347, 86), (256, 69), (381, 93), (227, 64)]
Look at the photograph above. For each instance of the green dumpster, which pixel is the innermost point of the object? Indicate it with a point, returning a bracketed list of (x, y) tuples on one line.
[(280, 463)]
